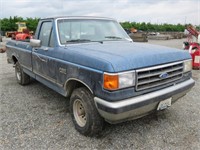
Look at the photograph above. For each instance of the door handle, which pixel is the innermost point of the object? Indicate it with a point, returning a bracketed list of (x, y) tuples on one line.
[(45, 49), (35, 49)]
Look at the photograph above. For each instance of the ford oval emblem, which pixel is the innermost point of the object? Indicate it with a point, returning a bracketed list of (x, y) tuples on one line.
[(164, 75)]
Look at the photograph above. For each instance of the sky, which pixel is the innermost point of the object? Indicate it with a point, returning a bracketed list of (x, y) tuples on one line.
[(153, 11)]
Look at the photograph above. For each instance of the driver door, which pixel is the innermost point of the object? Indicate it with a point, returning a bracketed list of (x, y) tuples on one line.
[(43, 64)]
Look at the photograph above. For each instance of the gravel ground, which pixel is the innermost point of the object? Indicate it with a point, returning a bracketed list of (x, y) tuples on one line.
[(35, 117)]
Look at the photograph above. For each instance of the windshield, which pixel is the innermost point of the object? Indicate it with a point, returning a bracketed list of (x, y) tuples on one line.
[(90, 30)]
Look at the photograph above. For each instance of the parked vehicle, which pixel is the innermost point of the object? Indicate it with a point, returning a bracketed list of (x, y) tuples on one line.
[(21, 34), (107, 76), (137, 35), (193, 46)]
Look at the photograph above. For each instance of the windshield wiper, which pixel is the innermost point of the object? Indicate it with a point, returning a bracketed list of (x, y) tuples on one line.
[(113, 37), (79, 40)]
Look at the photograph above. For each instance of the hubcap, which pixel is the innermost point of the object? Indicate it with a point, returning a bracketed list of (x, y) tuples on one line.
[(79, 112)]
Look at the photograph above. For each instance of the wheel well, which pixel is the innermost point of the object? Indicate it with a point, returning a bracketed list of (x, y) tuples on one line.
[(14, 59), (70, 85)]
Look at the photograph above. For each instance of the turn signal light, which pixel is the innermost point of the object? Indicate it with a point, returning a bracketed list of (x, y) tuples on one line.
[(111, 82)]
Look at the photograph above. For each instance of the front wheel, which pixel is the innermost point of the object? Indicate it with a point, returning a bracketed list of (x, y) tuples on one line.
[(84, 114), (21, 77)]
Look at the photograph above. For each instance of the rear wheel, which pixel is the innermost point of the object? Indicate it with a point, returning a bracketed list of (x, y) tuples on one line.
[(21, 77), (84, 114)]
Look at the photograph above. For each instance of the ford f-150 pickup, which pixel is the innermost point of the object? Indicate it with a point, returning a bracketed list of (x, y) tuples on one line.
[(107, 76)]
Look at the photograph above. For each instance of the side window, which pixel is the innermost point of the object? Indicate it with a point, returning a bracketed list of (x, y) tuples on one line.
[(45, 33)]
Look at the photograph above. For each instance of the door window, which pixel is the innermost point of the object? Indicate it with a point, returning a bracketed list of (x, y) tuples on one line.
[(45, 33)]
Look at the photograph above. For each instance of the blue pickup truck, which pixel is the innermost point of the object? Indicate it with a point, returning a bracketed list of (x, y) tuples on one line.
[(107, 76)]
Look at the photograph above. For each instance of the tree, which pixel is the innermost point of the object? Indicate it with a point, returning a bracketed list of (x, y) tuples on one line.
[(32, 23), (9, 24), (153, 27)]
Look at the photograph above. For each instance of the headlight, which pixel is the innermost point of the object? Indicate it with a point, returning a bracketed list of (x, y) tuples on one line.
[(114, 81), (187, 64)]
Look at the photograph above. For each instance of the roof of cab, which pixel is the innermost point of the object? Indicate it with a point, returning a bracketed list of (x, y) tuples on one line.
[(78, 17)]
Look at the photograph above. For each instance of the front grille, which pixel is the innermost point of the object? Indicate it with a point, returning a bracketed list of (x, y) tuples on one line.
[(151, 77)]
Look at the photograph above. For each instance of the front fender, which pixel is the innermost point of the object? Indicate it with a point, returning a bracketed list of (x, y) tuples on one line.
[(88, 77)]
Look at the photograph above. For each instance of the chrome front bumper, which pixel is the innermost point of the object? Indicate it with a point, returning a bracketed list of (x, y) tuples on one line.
[(139, 106)]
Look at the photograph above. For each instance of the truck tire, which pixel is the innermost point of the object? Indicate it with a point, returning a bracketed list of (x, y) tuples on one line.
[(21, 77), (84, 114)]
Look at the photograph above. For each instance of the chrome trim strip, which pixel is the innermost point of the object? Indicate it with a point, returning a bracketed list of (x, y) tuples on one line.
[(22, 49), (158, 79), (75, 18), (59, 84), (45, 77), (119, 73), (159, 66), (78, 81), (84, 17), (30, 69), (142, 98), (158, 73), (151, 86), (57, 34)]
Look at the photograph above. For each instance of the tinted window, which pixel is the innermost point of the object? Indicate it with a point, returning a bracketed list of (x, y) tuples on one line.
[(45, 33)]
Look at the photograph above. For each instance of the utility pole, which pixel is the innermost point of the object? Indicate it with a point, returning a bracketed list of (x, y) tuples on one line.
[(185, 19)]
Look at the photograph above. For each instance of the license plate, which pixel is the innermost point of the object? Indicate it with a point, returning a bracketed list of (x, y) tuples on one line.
[(164, 104)]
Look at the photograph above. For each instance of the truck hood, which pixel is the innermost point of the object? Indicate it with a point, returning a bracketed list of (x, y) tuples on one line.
[(124, 56)]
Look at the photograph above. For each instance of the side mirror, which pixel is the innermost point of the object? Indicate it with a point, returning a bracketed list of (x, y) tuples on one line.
[(35, 43)]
